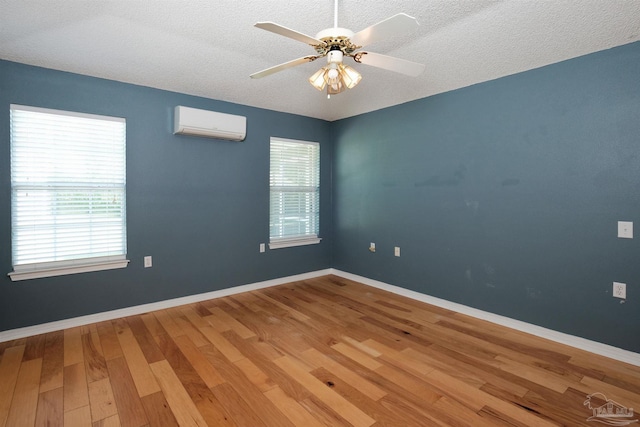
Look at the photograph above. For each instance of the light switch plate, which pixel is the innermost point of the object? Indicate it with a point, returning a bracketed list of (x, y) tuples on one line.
[(625, 229), (148, 262)]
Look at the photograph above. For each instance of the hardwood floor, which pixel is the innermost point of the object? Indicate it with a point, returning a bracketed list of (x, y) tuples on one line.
[(321, 352)]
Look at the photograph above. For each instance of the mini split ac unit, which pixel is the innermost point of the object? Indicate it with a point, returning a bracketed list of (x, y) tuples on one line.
[(192, 121)]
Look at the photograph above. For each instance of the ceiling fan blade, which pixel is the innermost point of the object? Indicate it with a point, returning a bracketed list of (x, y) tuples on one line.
[(283, 66), (287, 32), (390, 63), (390, 27)]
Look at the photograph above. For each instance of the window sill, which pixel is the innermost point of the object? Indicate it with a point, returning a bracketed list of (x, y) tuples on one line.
[(288, 243), (38, 271)]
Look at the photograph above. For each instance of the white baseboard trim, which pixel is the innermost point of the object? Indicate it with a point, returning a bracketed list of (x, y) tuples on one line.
[(28, 331), (570, 340)]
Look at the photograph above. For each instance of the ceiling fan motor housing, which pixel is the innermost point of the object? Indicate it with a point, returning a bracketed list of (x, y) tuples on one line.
[(334, 33), (335, 39)]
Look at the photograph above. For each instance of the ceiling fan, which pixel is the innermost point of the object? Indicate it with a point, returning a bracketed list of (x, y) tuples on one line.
[(336, 43)]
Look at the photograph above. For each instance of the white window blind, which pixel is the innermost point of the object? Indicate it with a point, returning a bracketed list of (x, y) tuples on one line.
[(68, 180), (294, 193)]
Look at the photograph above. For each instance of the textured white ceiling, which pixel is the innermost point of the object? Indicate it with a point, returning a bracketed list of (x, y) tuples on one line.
[(209, 47)]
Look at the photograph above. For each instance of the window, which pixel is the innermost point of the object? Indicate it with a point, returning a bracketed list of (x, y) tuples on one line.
[(68, 211), (294, 181)]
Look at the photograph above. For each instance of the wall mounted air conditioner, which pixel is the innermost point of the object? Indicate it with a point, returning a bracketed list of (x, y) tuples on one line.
[(192, 121)]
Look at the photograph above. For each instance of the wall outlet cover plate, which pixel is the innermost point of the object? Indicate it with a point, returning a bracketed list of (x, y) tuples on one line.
[(620, 290), (625, 229)]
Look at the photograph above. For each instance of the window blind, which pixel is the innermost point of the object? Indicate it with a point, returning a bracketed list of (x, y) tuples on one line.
[(68, 179), (294, 190)]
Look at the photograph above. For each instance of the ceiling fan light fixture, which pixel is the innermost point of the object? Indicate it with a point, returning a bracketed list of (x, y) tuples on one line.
[(335, 56), (318, 79), (335, 88), (332, 75), (336, 78), (350, 76)]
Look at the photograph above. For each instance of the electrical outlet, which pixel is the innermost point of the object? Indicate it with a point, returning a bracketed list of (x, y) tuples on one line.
[(396, 251), (148, 262), (372, 247), (620, 290), (262, 248)]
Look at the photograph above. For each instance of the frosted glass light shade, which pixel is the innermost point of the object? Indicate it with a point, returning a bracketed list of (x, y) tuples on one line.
[(350, 76), (335, 88), (318, 79), (336, 78)]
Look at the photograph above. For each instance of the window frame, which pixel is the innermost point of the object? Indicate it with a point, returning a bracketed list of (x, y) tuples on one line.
[(276, 242), (85, 262)]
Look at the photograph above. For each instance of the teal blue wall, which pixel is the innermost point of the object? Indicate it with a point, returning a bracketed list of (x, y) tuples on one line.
[(199, 207), (504, 196)]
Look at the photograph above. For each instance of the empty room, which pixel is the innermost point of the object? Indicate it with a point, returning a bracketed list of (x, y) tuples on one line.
[(333, 213)]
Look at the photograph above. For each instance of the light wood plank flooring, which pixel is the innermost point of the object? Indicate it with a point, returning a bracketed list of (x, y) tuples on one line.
[(321, 352)]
